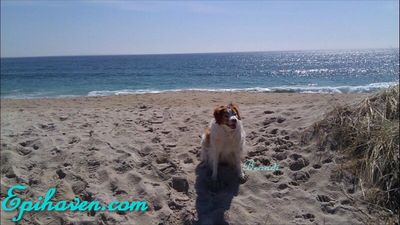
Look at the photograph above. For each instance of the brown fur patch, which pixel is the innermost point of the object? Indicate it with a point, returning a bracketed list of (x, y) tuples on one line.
[(219, 113), (236, 109), (207, 133)]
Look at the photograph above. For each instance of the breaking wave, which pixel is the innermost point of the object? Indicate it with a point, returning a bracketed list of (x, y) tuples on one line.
[(312, 88)]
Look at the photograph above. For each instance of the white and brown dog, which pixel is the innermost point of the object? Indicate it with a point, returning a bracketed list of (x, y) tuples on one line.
[(224, 140)]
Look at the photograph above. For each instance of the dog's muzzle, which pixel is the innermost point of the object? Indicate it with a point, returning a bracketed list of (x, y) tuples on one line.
[(232, 123)]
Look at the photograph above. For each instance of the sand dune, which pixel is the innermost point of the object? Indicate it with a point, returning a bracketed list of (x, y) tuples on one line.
[(146, 147)]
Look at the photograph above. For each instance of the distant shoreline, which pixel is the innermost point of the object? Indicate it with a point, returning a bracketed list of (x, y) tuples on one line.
[(199, 53)]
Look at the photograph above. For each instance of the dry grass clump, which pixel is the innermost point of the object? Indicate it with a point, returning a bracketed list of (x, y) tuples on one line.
[(368, 133)]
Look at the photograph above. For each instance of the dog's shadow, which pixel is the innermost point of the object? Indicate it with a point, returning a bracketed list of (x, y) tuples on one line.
[(212, 202)]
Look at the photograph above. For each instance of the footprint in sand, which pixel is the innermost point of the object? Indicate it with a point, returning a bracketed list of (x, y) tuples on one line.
[(328, 160), (261, 139), (298, 164), (196, 151), (188, 160), (262, 161), (284, 132), (274, 131), (345, 202), (23, 150), (252, 135), (55, 151), (28, 143), (279, 156), (48, 127), (282, 186), (79, 186), (277, 195), (259, 150), (156, 140), (63, 118), (287, 137), (307, 216), (316, 166), (323, 198), (300, 176), (268, 121), (121, 165), (295, 156), (278, 173), (161, 158), (268, 112), (183, 129), (73, 140), (280, 120)]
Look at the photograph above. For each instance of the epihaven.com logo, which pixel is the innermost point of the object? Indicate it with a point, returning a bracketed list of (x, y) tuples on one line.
[(12, 202)]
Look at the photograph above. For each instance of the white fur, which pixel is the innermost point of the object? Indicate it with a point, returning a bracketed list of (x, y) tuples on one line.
[(225, 145)]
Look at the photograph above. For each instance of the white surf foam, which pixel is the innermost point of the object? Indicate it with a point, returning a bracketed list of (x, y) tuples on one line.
[(311, 88)]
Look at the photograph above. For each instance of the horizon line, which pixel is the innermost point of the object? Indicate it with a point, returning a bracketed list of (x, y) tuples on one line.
[(193, 53)]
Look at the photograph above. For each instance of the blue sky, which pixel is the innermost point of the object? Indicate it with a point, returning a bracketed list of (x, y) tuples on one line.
[(43, 28)]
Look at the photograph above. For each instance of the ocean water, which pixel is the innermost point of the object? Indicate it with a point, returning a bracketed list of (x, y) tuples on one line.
[(343, 71)]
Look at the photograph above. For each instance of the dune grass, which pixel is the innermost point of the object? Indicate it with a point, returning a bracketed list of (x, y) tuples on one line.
[(368, 134)]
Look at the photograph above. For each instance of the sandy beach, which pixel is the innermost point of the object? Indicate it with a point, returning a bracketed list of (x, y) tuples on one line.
[(146, 147)]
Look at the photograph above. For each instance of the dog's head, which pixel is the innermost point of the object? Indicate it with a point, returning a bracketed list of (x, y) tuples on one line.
[(227, 115)]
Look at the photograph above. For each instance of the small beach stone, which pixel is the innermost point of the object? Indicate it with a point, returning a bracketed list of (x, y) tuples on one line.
[(60, 174)]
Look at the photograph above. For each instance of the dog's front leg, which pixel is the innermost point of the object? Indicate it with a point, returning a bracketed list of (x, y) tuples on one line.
[(215, 164), (241, 174)]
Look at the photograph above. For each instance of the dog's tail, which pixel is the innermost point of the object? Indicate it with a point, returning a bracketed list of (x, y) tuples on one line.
[(205, 144)]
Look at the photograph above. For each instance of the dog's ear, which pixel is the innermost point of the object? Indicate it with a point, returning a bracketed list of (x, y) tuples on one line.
[(218, 114), (236, 109)]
